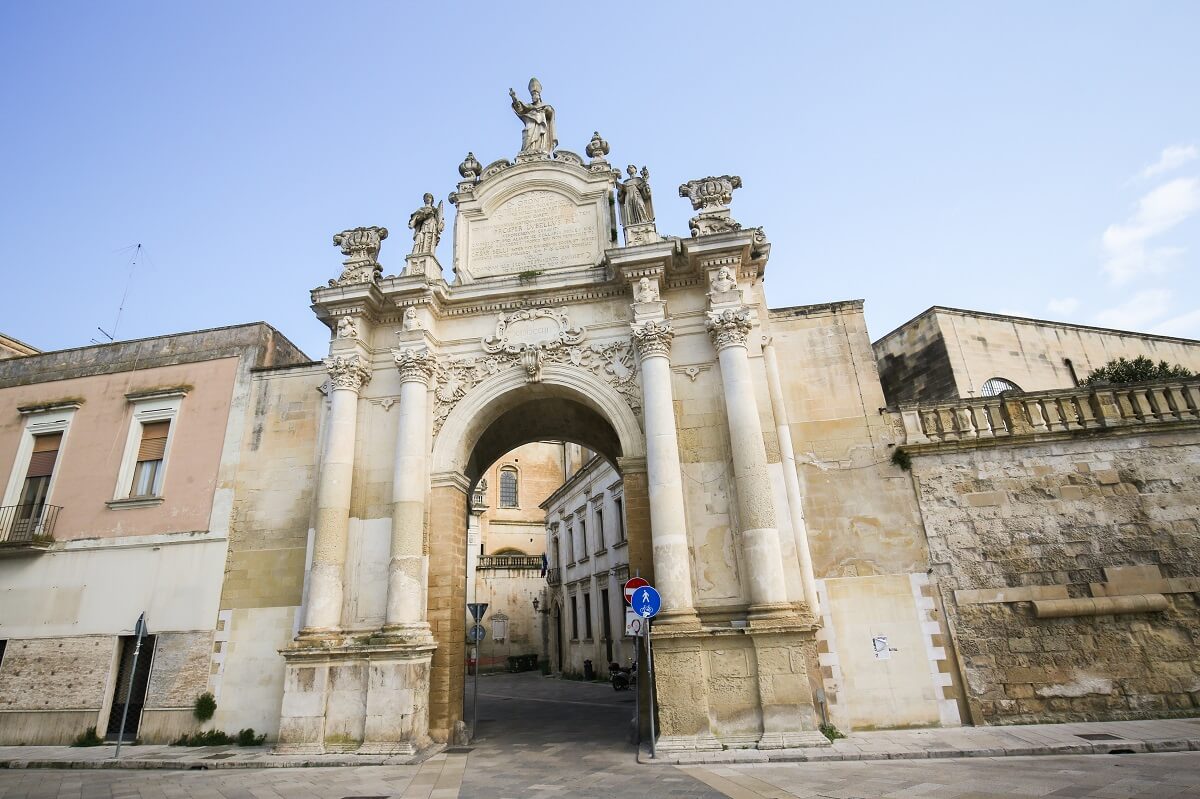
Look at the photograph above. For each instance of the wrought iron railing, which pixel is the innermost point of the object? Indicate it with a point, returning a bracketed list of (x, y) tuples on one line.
[(1082, 408), (509, 562), (27, 523)]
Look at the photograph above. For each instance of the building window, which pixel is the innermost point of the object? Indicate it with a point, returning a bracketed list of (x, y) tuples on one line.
[(508, 487), (36, 489), (997, 384), (147, 472), (571, 544), (147, 449), (587, 614), (583, 538), (620, 518), (574, 618), (599, 529), (26, 498)]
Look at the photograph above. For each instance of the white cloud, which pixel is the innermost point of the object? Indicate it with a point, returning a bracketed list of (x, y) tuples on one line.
[(1064, 307), (1185, 325), (1157, 212), (1138, 313), (1173, 157)]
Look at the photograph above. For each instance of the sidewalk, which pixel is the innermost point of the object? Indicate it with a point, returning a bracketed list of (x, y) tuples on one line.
[(1091, 738), (188, 757)]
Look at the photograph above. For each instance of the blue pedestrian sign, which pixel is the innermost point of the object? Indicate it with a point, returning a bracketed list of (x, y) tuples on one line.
[(646, 602)]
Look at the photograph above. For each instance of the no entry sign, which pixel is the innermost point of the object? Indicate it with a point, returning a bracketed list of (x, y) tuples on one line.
[(631, 585)]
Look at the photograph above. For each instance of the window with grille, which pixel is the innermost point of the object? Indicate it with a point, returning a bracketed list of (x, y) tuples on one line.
[(508, 487), (997, 384)]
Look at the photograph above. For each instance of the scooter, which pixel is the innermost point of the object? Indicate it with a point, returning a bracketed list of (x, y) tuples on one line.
[(622, 677)]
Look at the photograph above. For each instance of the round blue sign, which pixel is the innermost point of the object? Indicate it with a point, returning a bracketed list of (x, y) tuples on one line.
[(646, 601)]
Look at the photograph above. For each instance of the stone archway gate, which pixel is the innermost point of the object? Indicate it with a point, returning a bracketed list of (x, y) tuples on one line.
[(648, 353)]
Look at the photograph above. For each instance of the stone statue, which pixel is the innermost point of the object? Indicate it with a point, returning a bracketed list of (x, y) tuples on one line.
[(724, 280), (427, 224), (538, 136), (637, 207), (645, 291), (346, 328), (411, 322)]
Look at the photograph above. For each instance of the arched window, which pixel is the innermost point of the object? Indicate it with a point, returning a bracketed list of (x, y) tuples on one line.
[(508, 487), (997, 384)]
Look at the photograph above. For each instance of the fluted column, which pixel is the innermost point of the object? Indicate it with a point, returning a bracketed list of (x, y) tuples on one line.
[(408, 567), (755, 497), (323, 614), (668, 524)]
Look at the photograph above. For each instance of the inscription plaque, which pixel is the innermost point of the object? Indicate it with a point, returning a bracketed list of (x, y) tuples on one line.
[(535, 230)]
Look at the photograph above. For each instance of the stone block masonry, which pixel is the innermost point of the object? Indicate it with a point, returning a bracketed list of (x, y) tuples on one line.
[(1028, 525)]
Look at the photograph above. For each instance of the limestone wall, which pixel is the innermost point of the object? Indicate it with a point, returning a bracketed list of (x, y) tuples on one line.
[(1094, 514), (864, 529), (946, 353), (268, 541)]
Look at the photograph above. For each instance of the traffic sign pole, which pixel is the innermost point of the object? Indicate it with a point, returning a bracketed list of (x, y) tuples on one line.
[(650, 675)]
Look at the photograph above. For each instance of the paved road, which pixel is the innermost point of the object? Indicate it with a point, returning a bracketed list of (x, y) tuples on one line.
[(548, 739)]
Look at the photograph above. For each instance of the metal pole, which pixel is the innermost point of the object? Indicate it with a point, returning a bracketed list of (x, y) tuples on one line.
[(137, 649), (475, 697), (650, 675), (637, 693)]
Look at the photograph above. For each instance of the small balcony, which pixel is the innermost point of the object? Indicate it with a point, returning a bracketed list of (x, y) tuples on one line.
[(26, 528), (509, 562), (553, 576)]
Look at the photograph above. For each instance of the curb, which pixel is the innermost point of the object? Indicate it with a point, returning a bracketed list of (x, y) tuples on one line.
[(741, 756), (207, 764)]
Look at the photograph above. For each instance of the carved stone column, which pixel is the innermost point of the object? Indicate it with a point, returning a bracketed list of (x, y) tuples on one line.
[(755, 500), (323, 613), (408, 568), (668, 524)]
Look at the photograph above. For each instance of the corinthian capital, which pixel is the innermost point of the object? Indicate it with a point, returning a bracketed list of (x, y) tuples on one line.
[(653, 338), (729, 327), (416, 364), (348, 372)]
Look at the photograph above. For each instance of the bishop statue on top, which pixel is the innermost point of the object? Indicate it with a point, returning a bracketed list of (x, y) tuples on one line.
[(538, 136)]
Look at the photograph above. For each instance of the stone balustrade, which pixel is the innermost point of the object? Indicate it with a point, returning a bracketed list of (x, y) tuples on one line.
[(1060, 411)]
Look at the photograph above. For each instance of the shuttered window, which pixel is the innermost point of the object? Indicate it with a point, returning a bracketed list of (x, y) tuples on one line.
[(45, 454), (147, 473)]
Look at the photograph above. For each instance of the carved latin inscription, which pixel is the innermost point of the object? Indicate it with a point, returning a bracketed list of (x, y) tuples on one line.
[(534, 230)]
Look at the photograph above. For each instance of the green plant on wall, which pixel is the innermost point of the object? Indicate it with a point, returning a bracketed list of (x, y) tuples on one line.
[(1139, 370), (206, 705), (901, 458)]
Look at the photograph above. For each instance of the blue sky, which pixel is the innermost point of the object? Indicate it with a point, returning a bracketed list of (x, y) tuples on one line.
[(1032, 158)]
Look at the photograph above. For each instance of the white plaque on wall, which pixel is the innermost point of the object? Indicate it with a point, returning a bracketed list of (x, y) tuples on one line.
[(534, 231)]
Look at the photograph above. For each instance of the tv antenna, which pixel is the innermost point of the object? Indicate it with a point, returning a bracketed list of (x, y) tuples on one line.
[(137, 250)]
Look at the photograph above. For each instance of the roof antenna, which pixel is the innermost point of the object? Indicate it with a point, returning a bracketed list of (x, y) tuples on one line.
[(132, 265)]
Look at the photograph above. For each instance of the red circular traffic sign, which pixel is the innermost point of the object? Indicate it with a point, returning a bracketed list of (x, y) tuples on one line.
[(631, 585)]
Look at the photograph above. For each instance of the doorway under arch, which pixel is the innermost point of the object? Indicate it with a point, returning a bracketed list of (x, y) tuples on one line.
[(501, 414)]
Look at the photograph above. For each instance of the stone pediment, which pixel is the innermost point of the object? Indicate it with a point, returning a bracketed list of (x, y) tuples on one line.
[(545, 215)]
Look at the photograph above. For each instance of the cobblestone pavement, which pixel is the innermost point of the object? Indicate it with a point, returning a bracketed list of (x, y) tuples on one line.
[(548, 738)]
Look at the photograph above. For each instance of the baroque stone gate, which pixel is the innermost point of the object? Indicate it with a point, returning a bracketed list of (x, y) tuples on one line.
[(652, 353)]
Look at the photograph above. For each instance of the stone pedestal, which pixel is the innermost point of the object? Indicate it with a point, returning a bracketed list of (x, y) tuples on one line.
[(366, 699), (422, 265)]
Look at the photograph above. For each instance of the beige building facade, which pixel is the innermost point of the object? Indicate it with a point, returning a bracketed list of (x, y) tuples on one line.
[(946, 353), (117, 463), (588, 564)]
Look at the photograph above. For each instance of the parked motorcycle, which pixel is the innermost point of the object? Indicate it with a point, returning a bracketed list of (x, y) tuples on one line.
[(622, 676)]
